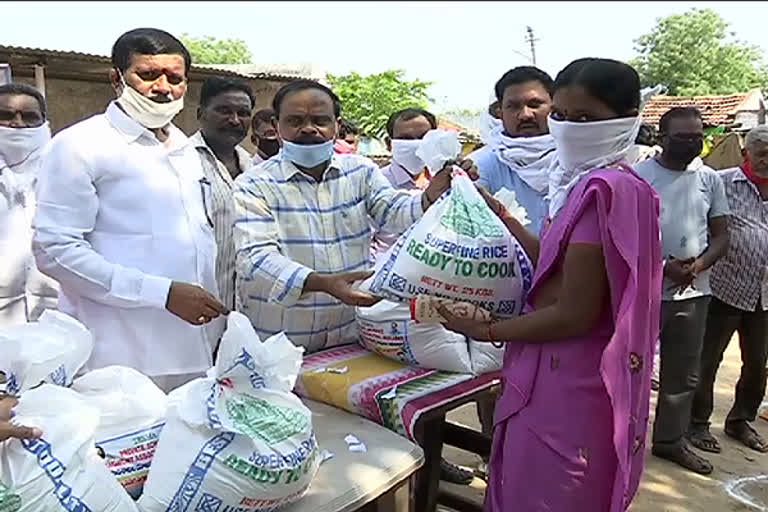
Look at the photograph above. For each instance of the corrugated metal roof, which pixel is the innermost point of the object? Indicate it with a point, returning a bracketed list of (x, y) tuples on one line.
[(102, 59), (715, 110)]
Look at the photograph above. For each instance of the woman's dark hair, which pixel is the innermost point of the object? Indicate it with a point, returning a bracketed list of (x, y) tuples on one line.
[(147, 41), (303, 85), (215, 85), (22, 89), (614, 83)]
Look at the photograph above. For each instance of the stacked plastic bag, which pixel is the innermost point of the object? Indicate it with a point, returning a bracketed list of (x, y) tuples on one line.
[(60, 471), (132, 415), (238, 439)]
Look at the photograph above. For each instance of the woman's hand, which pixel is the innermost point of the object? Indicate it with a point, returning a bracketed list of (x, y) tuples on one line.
[(494, 204), (475, 329)]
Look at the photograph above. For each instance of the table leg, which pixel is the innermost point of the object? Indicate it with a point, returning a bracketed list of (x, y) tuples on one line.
[(429, 435)]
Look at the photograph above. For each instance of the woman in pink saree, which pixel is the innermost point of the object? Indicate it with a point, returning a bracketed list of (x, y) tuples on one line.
[(569, 428)]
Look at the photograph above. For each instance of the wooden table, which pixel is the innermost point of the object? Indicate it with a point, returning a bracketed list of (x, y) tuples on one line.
[(378, 480), (432, 432)]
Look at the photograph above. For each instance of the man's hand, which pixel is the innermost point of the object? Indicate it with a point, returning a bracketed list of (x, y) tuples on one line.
[(193, 304), (9, 430), (441, 181), (680, 272), (340, 286)]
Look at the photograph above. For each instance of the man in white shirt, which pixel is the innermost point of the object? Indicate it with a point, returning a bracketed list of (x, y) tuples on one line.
[(406, 171), (694, 232), (224, 115), (24, 133), (121, 222), (264, 135)]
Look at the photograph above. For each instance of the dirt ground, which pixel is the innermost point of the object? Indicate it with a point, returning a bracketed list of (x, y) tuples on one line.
[(739, 482)]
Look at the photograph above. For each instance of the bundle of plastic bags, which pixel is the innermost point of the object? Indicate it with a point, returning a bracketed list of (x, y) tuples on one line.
[(60, 471), (238, 439), (132, 415), (50, 350)]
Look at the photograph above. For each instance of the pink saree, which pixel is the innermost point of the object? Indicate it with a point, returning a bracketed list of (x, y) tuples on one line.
[(571, 422)]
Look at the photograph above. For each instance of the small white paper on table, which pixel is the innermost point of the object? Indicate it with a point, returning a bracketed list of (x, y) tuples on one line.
[(354, 444)]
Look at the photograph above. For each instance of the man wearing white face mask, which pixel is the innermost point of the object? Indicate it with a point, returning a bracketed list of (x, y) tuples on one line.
[(122, 221), (24, 132), (520, 151), (406, 171)]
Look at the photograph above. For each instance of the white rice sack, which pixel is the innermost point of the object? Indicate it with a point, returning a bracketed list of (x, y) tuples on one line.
[(132, 410), (485, 357), (238, 439), (61, 471), (387, 329), (458, 250), (51, 350)]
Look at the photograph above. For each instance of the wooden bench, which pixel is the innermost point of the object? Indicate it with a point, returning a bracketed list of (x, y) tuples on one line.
[(432, 432), (378, 480), (410, 401)]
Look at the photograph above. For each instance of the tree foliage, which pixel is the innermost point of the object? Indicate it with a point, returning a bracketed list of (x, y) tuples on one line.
[(695, 54), (370, 100), (209, 50)]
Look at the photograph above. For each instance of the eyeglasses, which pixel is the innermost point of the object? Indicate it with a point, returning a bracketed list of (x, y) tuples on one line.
[(30, 118), (205, 190)]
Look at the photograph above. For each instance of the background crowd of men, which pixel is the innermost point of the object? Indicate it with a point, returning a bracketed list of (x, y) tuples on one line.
[(150, 237)]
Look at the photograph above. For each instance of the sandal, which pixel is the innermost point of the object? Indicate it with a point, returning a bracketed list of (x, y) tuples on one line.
[(455, 474), (681, 455), (702, 438), (747, 435)]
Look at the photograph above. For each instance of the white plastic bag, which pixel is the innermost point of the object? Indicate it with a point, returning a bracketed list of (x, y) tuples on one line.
[(438, 147), (238, 439), (458, 250), (50, 350), (132, 410), (387, 329), (509, 199), (61, 471)]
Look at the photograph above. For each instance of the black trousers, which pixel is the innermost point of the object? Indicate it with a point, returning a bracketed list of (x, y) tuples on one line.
[(682, 335), (752, 326)]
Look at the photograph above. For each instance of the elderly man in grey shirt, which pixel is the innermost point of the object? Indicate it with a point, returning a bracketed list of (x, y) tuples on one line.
[(694, 236)]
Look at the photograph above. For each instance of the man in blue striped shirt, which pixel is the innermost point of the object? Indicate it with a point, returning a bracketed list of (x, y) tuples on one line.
[(302, 233)]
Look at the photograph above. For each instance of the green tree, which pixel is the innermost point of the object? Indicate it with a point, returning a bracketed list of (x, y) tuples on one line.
[(695, 54), (369, 100), (209, 50)]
